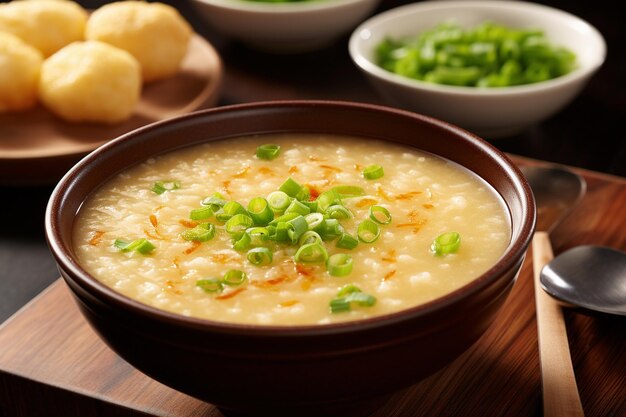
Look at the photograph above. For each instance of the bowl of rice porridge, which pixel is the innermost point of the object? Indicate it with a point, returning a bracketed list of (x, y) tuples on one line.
[(291, 257)]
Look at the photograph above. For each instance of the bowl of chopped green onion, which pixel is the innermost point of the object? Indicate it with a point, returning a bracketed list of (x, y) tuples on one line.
[(284, 26), (494, 68)]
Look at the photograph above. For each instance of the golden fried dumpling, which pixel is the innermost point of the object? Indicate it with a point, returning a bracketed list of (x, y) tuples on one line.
[(48, 25), (91, 81), (20, 65), (154, 33)]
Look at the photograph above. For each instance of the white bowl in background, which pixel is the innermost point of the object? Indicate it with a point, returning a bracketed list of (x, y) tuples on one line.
[(285, 27), (491, 112)]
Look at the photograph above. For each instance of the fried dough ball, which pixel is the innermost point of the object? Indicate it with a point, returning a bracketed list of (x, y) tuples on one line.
[(91, 81), (48, 25), (154, 33), (20, 65)]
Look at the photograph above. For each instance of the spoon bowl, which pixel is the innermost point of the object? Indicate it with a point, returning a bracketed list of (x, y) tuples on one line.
[(592, 277)]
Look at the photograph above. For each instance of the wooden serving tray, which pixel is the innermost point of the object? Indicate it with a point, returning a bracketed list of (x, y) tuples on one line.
[(53, 364)]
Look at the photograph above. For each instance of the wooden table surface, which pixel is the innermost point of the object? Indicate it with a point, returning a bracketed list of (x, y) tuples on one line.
[(582, 135), (49, 353)]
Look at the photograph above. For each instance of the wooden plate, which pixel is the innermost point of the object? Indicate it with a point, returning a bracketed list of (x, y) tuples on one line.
[(37, 147)]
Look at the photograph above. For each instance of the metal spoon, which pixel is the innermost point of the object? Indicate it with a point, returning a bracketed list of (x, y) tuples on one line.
[(556, 191), (593, 277)]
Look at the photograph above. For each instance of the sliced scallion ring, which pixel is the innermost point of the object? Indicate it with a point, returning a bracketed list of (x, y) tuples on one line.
[(337, 211), (159, 187), (143, 246), (200, 233), (268, 151), (368, 231), (373, 172), (258, 235), (230, 209), (234, 277), (238, 223), (339, 264), (314, 220), (260, 211), (242, 241), (214, 202), (339, 305), (201, 213), (446, 243), (278, 201), (290, 187), (260, 256), (348, 289), (347, 241), (210, 284), (296, 228), (348, 191), (380, 215), (298, 207), (311, 253), (309, 237)]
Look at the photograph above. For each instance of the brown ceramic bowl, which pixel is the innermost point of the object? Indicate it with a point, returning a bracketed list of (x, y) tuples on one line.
[(336, 369)]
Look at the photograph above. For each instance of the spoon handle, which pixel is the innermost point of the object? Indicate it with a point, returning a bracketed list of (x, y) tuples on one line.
[(560, 393)]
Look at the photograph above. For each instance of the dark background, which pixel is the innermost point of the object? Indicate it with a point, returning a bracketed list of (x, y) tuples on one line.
[(588, 133)]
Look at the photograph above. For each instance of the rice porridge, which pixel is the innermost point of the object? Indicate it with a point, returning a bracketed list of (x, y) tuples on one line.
[(317, 229)]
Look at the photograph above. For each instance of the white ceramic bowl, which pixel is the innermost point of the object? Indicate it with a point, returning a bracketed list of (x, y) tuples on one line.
[(285, 27), (490, 112)]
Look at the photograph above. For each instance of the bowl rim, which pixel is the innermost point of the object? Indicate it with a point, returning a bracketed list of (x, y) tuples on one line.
[(356, 48), (281, 8), (67, 263)]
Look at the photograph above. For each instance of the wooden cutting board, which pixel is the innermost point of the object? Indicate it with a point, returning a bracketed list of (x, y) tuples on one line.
[(53, 364)]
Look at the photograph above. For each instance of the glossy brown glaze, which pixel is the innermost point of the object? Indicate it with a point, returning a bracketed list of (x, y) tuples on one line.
[(278, 370)]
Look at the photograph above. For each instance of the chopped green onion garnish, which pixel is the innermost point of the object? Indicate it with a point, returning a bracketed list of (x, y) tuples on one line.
[(347, 241), (242, 241), (446, 243), (368, 231), (214, 202), (331, 229), (327, 199), (258, 235), (314, 220), (373, 172), (337, 211), (229, 210), (260, 256), (238, 223), (280, 233), (210, 285), (160, 187), (342, 304), (143, 246), (304, 194), (290, 187), (339, 305), (312, 205), (234, 277), (348, 289), (260, 211), (298, 207), (278, 201), (361, 299), (268, 151), (284, 218), (380, 215), (309, 237), (348, 191), (296, 228), (339, 264), (311, 253), (200, 233), (201, 213)]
